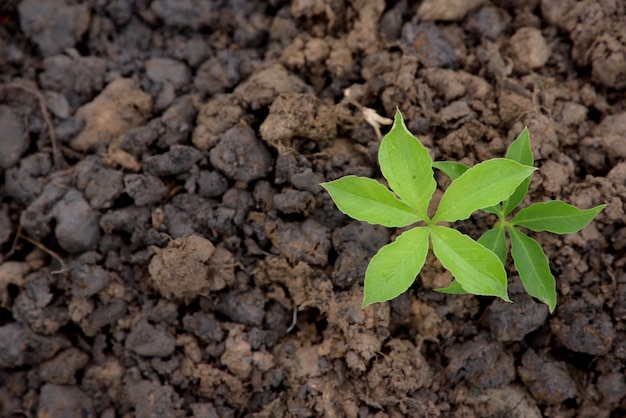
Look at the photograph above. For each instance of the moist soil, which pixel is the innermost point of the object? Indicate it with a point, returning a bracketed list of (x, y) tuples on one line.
[(166, 249)]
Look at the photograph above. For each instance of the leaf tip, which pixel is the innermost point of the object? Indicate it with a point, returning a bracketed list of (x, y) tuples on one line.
[(367, 302), (549, 302), (503, 294), (327, 186), (398, 119)]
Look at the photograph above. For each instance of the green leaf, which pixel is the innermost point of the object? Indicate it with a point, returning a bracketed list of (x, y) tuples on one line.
[(493, 209), (407, 166), (486, 184), (533, 268), (521, 152), (453, 288), (477, 269), (367, 200), (517, 196), (495, 240), (555, 216), (394, 268), (452, 169)]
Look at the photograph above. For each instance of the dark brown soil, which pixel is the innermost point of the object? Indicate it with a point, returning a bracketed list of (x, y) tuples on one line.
[(167, 251)]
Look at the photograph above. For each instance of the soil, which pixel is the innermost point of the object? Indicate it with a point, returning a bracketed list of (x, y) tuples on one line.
[(166, 249)]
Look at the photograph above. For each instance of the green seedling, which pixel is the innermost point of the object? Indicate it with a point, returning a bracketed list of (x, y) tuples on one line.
[(408, 168), (554, 216), (494, 186)]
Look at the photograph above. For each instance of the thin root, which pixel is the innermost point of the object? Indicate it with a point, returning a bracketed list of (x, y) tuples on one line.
[(39, 245), (30, 88)]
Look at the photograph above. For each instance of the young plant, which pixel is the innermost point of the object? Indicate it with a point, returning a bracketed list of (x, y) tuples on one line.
[(408, 168), (554, 216), (499, 185)]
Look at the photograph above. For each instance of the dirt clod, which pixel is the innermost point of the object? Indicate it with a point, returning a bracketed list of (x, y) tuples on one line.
[(294, 117), (548, 380), (14, 140), (61, 370), (64, 401), (307, 242), (448, 10), (120, 107), (179, 159), (529, 49), (19, 346), (582, 329), (52, 24), (150, 341), (512, 322), (76, 223), (482, 362), (183, 269), (240, 155)]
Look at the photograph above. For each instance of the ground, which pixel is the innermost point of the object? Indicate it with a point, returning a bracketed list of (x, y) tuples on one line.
[(166, 249)]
